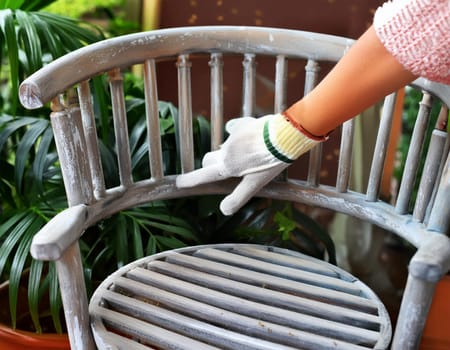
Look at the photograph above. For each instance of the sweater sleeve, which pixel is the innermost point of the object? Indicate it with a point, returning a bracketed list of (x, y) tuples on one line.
[(417, 34)]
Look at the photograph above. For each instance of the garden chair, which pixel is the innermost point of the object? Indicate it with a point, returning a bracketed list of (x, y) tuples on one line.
[(231, 296)]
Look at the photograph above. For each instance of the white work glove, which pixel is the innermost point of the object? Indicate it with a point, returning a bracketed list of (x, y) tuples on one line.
[(257, 149)]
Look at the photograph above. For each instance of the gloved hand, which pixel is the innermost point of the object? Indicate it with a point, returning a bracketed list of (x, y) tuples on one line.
[(257, 149)]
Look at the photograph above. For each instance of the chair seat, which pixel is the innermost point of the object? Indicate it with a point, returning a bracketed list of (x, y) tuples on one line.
[(236, 296)]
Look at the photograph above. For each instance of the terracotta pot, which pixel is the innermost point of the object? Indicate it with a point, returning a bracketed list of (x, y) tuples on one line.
[(436, 335), (19, 339), (14, 339)]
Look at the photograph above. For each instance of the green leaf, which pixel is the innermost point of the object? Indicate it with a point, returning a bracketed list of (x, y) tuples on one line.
[(39, 163), (55, 298), (11, 4), (30, 40), (12, 221), (9, 32), (23, 150), (17, 267), (13, 237), (138, 247), (120, 240), (12, 125), (170, 242), (34, 281), (48, 39)]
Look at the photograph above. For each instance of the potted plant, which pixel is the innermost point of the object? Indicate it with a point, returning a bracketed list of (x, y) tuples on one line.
[(29, 39)]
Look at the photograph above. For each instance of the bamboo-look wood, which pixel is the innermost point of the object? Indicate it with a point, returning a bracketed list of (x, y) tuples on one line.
[(281, 73), (185, 113), (217, 128), (78, 183), (152, 114), (248, 85), (315, 155), (120, 127), (90, 131), (379, 154), (439, 220), (446, 151), (414, 153), (211, 268), (73, 294), (71, 146), (431, 168), (345, 156)]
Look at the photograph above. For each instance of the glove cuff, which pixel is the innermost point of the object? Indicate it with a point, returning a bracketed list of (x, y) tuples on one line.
[(284, 141)]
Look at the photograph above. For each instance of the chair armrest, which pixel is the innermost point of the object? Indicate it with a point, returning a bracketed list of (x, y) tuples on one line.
[(59, 233), (432, 259)]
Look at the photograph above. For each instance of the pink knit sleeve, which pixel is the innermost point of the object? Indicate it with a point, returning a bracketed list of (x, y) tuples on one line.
[(417, 34)]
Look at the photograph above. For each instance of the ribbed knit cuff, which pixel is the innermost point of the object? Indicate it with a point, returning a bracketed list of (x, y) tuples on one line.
[(284, 141), (415, 32)]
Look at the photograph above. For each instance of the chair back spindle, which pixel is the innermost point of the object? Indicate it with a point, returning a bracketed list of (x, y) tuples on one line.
[(379, 154), (217, 128), (249, 85), (152, 114), (185, 113), (413, 157), (90, 132)]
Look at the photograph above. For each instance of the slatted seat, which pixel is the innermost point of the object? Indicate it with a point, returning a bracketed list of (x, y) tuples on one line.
[(240, 296), (232, 296)]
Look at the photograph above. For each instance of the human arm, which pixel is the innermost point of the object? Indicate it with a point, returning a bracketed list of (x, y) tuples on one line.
[(367, 72)]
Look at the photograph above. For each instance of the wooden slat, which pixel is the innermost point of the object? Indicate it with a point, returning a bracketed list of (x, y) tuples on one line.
[(439, 220), (315, 155), (216, 64), (379, 154), (413, 156), (182, 324), (120, 127), (267, 296), (69, 139), (286, 259), (90, 133), (274, 269), (275, 282), (345, 156), (281, 70), (255, 327), (185, 133), (147, 332), (431, 169), (259, 311), (249, 85), (152, 114)]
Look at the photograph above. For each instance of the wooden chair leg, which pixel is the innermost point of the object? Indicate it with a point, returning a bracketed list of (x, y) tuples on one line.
[(413, 313), (74, 298)]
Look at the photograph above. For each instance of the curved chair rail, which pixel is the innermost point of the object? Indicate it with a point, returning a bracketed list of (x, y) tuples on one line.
[(103, 56)]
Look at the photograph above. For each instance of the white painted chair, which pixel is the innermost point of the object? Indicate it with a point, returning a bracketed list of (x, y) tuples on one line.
[(231, 296)]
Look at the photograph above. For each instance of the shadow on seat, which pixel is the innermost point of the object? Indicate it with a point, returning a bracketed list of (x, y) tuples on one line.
[(231, 296)]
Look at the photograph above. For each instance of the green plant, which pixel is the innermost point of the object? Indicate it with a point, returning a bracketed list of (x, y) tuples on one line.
[(30, 187), (29, 39)]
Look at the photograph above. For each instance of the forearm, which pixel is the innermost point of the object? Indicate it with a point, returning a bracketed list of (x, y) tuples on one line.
[(362, 77)]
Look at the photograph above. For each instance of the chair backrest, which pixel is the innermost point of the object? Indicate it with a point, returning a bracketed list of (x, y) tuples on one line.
[(82, 169), (74, 123)]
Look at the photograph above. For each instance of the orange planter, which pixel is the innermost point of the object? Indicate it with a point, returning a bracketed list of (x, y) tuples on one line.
[(436, 335), (14, 339)]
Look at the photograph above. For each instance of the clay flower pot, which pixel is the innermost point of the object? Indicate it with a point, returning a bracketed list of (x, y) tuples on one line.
[(436, 335)]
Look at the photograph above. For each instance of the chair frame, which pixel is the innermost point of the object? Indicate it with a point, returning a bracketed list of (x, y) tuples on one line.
[(90, 201)]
